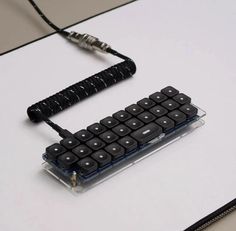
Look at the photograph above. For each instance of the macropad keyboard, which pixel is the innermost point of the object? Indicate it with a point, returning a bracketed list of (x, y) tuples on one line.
[(113, 140)]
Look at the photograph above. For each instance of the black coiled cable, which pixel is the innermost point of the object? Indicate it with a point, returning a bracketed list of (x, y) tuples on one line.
[(58, 102), (81, 90)]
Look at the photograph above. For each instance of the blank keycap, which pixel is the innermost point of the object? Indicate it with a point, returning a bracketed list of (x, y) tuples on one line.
[(166, 123), (109, 122), (54, 151), (178, 116), (158, 97), (189, 110), (182, 99), (170, 104), (67, 160), (115, 150), (170, 91), (158, 111), (95, 144), (83, 135), (109, 137), (96, 128), (87, 166), (122, 115), (134, 123), (121, 130), (82, 151), (128, 143), (146, 103), (102, 158), (147, 133), (146, 117), (134, 109), (69, 143)]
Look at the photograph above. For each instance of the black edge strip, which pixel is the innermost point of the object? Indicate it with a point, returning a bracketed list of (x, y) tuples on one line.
[(16, 48), (213, 217)]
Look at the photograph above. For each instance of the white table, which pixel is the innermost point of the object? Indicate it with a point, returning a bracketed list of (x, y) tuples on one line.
[(187, 44)]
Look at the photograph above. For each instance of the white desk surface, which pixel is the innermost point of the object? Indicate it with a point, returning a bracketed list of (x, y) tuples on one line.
[(187, 44)]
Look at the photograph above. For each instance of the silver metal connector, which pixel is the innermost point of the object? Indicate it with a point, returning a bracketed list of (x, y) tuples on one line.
[(88, 42)]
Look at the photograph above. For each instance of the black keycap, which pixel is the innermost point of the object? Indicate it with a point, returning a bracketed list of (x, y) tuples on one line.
[(109, 122), (67, 160), (121, 130), (134, 109), (82, 151), (128, 143), (178, 116), (146, 117), (134, 123), (95, 144), (182, 99), (87, 166), (96, 128), (166, 123), (147, 133), (83, 135), (158, 111), (122, 115), (70, 143), (109, 137), (115, 150), (146, 103), (189, 110), (54, 151), (170, 91), (170, 104), (158, 97), (102, 157)]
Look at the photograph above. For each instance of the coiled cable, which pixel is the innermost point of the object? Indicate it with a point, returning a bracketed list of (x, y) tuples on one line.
[(81, 90), (67, 97)]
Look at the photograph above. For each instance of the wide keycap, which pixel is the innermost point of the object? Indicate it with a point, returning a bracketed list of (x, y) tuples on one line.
[(147, 133)]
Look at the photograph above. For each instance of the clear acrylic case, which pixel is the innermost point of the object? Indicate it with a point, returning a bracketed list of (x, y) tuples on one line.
[(75, 184)]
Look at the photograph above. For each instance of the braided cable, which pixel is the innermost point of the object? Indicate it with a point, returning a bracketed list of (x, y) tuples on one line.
[(50, 106), (81, 90)]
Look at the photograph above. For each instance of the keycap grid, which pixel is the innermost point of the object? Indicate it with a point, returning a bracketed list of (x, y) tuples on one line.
[(115, 137)]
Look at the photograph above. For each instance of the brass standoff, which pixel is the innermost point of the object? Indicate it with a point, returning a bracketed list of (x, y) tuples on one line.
[(73, 179)]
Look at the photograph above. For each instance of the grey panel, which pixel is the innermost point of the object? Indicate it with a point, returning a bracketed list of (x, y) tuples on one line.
[(228, 223), (20, 23)]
